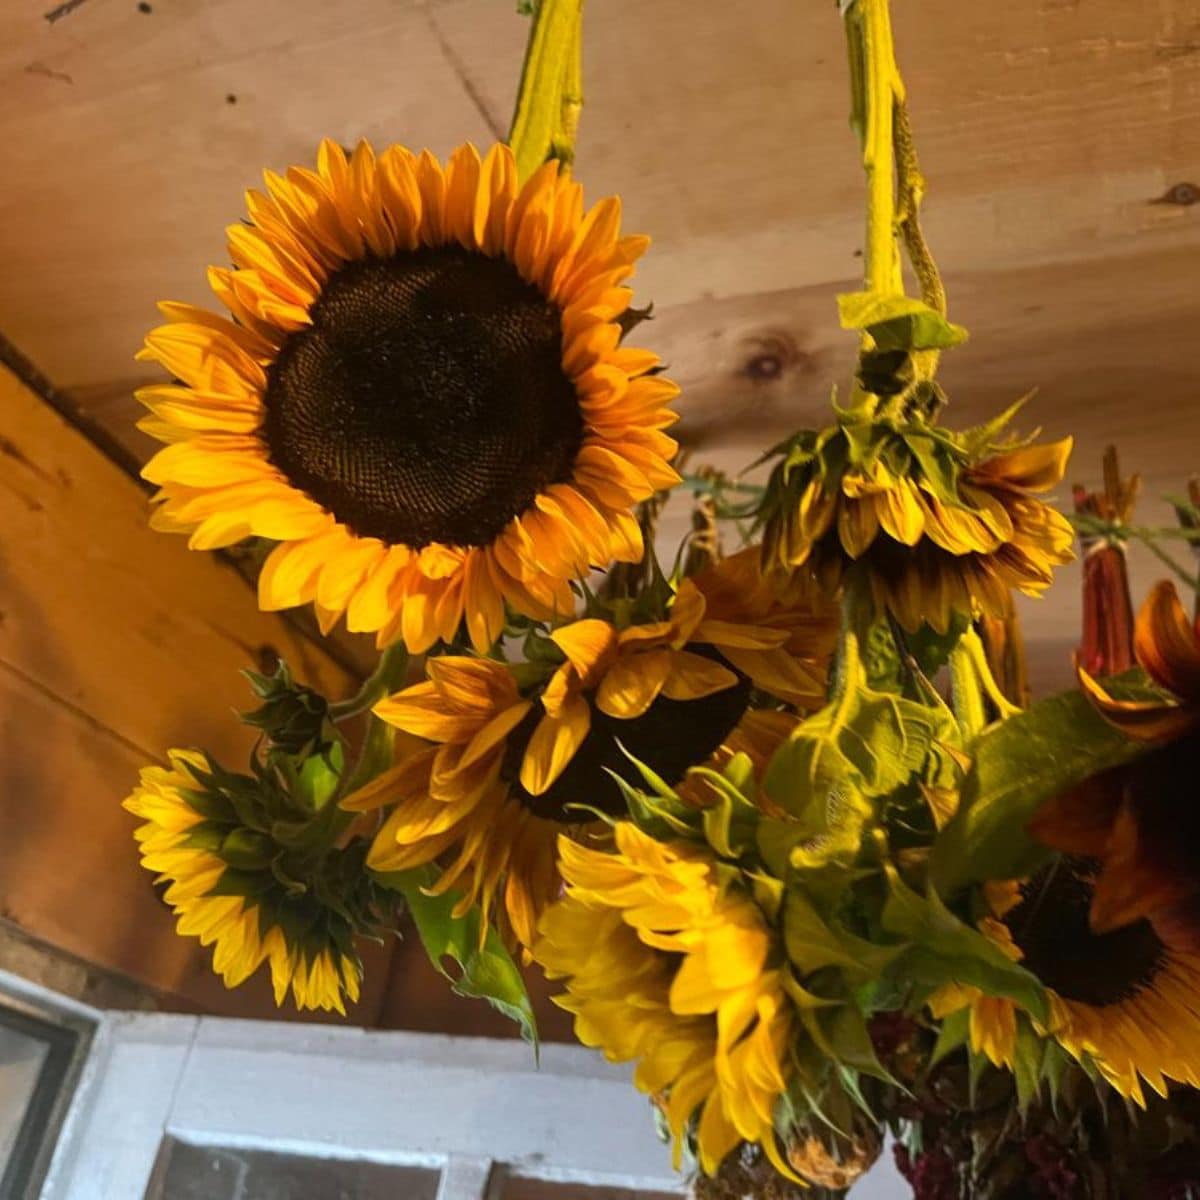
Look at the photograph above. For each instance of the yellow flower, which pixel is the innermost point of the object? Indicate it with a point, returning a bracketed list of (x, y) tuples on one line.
[(667, 966), (455, 795), (420, 395), (1124, 999), (511, 766), (956, 536), (724, 630), (189, 835)]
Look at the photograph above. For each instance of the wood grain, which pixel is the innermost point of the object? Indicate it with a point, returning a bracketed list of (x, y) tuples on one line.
[(116, 643)]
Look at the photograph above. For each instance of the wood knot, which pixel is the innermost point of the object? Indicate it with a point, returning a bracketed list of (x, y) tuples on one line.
[(1183, 194)]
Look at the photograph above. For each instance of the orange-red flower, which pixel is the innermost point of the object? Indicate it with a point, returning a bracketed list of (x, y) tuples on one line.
[(1141, 821)]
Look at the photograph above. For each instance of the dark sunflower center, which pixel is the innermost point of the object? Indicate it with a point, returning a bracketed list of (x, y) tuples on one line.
[(670, 737), (1050, 925), (427, 401)]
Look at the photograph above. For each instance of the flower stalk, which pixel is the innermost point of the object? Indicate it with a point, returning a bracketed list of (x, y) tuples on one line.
[(550, 95)]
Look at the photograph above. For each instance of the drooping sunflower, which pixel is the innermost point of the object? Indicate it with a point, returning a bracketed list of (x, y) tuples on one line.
[(941, 524), (1140, 820), (666, 965), (1126, 1000), (723, 633), (517, 754), (419, 393), (224, 891)]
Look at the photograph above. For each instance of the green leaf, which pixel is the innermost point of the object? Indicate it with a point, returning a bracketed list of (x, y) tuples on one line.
[(486, 969), (1019, 764), (898, 322), (946, 950)]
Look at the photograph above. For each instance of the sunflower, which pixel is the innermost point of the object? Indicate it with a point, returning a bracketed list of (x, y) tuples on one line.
[(519, 752), (223, 891), (1139, 820), (667, 965), (459, 795), (723, 633), (1126, 1000), (939, 524), (421, 395)]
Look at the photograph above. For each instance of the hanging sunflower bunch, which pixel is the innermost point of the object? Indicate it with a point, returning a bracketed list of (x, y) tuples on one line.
[(769, 819)]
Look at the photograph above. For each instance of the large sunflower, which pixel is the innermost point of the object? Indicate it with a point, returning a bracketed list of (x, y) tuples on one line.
[(519, 752), (667, 965), (1125, 999), (224, 891), (939, 523), (1140, 820), (421, 394)]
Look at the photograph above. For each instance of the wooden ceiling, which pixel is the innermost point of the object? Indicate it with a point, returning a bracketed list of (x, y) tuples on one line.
[(1061, 138)]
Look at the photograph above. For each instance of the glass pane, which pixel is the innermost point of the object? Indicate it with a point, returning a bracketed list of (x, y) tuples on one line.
[(21, 1059), (41, 1053), (186, 1172)]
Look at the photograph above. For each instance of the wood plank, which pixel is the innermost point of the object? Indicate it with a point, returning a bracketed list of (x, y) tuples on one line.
[(1049, 130), (116, 643)]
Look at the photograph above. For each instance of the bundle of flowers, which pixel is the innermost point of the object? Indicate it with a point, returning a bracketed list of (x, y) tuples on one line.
[(775, 821)]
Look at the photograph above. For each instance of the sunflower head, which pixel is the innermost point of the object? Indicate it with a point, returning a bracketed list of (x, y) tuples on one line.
[(509, 755), (1122, 1002), (419, 393), (669, 964), (938, 523), (1138, 821), (238, 880)]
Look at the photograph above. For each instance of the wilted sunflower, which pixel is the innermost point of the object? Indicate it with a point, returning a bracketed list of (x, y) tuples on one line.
[(1125, 999), (940, 523), (224, 891), (514, 762), (667, 965), (1140, 820), (421, 395)]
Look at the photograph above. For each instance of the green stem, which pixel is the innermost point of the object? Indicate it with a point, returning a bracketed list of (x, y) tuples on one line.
[(877, 89), (387, 677), (966, 694), (1192, 581), (374, 756), (911, 187), (550, 96)]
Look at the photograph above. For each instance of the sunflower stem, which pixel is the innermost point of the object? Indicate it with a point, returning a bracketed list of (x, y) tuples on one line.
[(876, 88), (388, 675), (550, 95)]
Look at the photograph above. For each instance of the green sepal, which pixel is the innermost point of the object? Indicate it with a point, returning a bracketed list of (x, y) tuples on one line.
[(812, 943), (953, 1034), (247, 849), (842, 1033), (1027, 1065), (486, 970)]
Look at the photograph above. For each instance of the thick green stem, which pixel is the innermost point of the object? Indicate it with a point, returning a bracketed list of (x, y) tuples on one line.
[(550, 96), (877, 87), (387, 677)]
